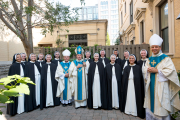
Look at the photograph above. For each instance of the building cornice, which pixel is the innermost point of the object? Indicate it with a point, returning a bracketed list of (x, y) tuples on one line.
[(147, 1), (130, 28), (139, 12)]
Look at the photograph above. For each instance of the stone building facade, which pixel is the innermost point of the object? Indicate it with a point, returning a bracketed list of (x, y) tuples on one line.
[(139, 19)]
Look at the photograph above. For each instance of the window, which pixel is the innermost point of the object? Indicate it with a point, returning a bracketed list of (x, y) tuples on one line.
[(114, 2), (104, 12), (104, 7), (132, 42), (125, 7), (142, 31), (114, 26), (114, 21), (121, 18), (104, 2), (85, 10), (78, 39), (131, 12), (104, 17), (114, 11), (85, 17), (95, 10), (95, 16), (89, 10), (80, 11), (114, 16), (114, 6), (80, 17), (89, 16), (164, 26)]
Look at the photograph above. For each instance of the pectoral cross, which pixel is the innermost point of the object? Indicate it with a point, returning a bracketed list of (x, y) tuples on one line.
[(79, 50), (153, 62), (65, 67)]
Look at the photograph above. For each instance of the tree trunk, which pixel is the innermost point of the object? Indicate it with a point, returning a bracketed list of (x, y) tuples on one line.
[(29, 48)]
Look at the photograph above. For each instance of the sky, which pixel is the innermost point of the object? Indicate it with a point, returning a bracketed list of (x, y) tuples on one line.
[(77, 3)]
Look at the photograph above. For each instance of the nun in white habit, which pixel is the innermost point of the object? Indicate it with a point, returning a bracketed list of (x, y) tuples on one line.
[(113, 74), (96, 84), (33, 71), (18, 105), (133, 89)]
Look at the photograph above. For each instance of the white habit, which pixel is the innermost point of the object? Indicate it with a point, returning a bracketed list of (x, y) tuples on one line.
[(96, 89), (131, 107), (49, 92), (20, 108), (38, 84), (115, 96)]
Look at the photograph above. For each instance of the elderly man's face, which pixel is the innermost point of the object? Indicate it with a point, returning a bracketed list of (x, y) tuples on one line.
[(116, 53), (102, 53), (79, 56), (126, 55), (155, 49), (66, 58)]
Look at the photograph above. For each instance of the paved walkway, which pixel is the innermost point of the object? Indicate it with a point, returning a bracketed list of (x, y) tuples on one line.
[(68, 113)]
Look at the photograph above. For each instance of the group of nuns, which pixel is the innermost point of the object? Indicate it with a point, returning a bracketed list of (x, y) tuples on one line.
[(111, 84)]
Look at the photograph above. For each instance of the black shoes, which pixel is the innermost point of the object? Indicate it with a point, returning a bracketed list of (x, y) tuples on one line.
[(70, 104), (64, 105)]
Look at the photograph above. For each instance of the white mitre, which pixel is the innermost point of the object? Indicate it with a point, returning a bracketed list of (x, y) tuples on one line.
[(155, 40), (66, 52)]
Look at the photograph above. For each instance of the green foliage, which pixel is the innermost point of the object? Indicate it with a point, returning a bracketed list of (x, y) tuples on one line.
[(15, 84), (59, 42), (117, 41), (107, 39), (58, 16), (176, 114)]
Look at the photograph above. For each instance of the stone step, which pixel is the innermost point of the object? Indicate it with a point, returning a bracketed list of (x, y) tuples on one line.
[(4, 69)]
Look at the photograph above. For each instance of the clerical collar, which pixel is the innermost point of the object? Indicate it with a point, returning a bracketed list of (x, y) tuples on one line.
[(56, 58), (23, 61), (65, 62), (18, 62), (144, 59), (127, 59), (116, 57), (112, 63), (79, 60), (31, 62), (102, 57), (160, 53), (132, 65), (96, 61), (87, 58), (48, 62), (40, 60)]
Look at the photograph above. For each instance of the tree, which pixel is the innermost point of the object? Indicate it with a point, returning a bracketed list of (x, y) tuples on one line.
[(117, 41), (21, 19), (107, 39)]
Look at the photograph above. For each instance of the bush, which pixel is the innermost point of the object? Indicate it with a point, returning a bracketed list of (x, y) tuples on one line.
[(13, 88)]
